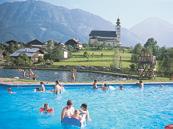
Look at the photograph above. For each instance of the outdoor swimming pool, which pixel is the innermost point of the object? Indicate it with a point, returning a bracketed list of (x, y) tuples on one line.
[(131, 108)]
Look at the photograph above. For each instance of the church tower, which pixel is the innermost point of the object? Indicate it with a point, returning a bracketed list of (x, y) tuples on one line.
[(118, 30)]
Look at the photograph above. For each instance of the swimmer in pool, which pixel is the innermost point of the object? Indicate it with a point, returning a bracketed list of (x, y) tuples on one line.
[(95, 84), (43, 89), (58, 88), (46, 109), (140, 84), (84, 112), (104, 87), (10, 91), (68, 110)]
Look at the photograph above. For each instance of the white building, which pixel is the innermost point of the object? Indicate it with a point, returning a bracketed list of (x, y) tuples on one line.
[(108, 38)]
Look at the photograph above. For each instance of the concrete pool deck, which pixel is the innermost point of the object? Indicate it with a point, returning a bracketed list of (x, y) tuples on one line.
[(24, 82)]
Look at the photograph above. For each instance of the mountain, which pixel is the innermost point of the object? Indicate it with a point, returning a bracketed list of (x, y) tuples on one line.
[(27, 20), (157, 28)]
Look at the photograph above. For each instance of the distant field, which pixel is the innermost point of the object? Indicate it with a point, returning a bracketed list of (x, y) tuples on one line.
[(95, 59)]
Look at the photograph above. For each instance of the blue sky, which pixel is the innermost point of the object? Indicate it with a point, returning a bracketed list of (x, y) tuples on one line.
[(130, 12)]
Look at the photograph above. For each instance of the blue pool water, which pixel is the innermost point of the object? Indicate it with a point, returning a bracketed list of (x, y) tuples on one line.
[(131, 108)]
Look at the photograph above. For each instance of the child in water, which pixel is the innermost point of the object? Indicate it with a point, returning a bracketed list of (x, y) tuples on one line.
[(46, 109), (84, 112)]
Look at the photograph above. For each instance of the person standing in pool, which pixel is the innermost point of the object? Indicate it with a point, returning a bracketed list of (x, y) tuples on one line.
[(58, 88), (84, 112), (68, 110), (104, 87), (95, 84), (141, 84), (43, 89)]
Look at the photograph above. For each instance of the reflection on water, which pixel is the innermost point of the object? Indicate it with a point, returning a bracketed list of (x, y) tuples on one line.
[(65, 76)]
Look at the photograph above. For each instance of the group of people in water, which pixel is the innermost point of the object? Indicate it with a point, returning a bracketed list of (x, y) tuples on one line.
[(69, 111), (58, 88), (105, 87), (82, 114)]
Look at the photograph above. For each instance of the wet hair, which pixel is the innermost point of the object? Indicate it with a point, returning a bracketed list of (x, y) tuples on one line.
[(105, 85), (57, 82), (140, 81), (69, 102), (95, 80), (45, 104), (41, 83), (84, 105)]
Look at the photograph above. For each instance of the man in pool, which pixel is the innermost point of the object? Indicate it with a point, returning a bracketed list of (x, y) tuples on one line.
[(68, 110), (95, 84), (141, 84)]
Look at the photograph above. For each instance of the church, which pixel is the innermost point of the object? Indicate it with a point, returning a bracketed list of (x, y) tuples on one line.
[(108, 38)]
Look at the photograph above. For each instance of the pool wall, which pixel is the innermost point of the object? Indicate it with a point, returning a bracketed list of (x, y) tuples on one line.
[(89, 85)]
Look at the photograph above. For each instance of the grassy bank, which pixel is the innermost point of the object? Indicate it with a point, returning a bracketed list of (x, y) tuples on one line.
[(96, 58)]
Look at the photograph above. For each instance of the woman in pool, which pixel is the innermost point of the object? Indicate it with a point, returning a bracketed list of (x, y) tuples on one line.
[(141, 84), (84, 112), (58, 88), (43, 89), (46, 109), (104, 87), (95, 84), (68, 110)]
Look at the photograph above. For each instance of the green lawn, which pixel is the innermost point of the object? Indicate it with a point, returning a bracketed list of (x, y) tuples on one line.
[(95, 59)]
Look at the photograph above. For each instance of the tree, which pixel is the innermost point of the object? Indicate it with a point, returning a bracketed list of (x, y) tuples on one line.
[(151, 46), (166, 62), (136, 52)]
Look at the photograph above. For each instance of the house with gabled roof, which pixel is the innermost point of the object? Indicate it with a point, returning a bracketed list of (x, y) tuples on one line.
[(33, 53), (74, 43), (36, 44)]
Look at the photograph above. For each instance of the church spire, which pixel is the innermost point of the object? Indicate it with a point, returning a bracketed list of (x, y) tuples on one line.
[(118, 30)]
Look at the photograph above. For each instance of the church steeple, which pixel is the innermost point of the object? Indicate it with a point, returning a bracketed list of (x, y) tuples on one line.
[(118, 30)]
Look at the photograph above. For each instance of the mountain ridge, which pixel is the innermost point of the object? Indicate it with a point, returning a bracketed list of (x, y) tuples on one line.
[(161, 30), (44, 21)]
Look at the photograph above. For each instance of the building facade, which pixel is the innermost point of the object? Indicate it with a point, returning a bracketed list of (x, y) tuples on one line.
[(108, 38)]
